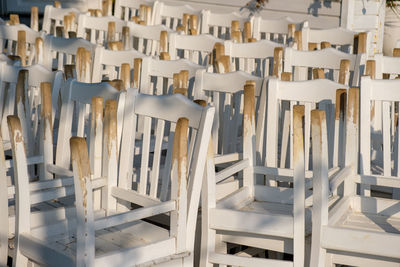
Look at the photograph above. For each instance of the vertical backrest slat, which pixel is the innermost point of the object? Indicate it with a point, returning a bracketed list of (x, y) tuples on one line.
[(249, 130), (95, 143), (110, 155), (156, 164), (298, 186), (46, 138), (320, 186), (83, 197), (179, 170)]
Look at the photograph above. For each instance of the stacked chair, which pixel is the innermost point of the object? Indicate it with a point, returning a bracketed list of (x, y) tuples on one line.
[(152, 133)]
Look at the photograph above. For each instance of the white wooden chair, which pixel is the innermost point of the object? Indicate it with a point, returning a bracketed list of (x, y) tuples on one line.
[(256, 58), (157, 75), (61, 51), (54, 17), (146, 39), (330, 60), (95, 29), (339, 38), (360, 230), (125, 9), (171, 15), (42, 180), (265, 216), (250, 216), (141, 242), (276, 30), (108, 63), (219, 24), (196, 48), (9, 35)]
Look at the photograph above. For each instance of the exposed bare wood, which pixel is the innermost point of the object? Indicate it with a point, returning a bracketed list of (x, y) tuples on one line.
[(291, 31), (325, 45), (362, 43), (107, 8), (286, 76), (111, 31), (298, 39), (318, 73), (236, 36), (344, 72), (218, 51), (312, 46), (165, 56), (185, 22), (39, 52), (14, 19), (223, 64), (247, 33), (35, 18), (137, 70), (278, 61), (163, 41), (126, 75), (370, 69), (21, 47), (193, 22), (116, 46), (235, 26), (117, 84)]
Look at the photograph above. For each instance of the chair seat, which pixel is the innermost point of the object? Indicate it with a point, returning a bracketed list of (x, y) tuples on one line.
[(133, 234), (369, 222)]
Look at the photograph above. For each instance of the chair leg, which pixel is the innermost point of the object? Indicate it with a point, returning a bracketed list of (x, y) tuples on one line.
[(220, 247), (328, 260)]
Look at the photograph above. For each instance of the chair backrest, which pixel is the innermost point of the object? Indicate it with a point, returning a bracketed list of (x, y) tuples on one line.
[(219, 24), (54, 17), (171, 15), (125, 9), (321, 92), (225, 93), (108, 63), (276, 30), (157, 75), (146, 39), (30, 89), (256, 58), (61, 51), (386, 65), (302, 63), (385, 92), (340, 38), (75, 123), (95, 29), (9, 35), (164, 111), (196, 48)]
